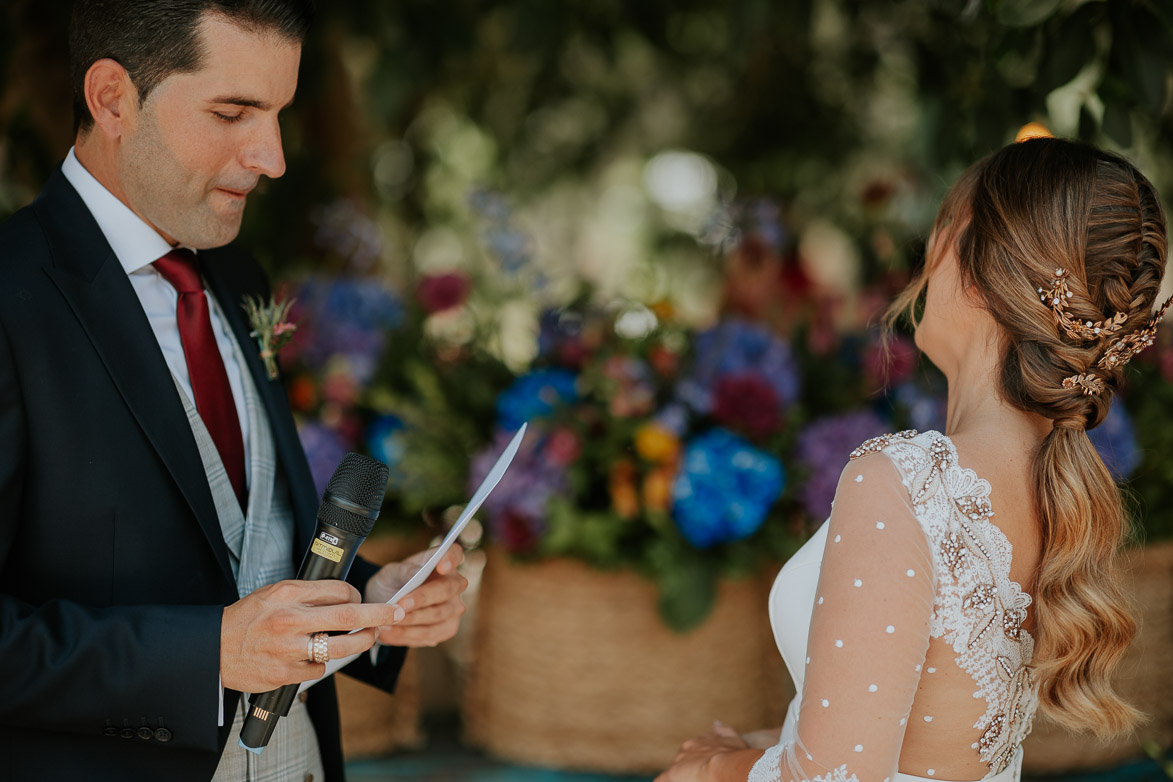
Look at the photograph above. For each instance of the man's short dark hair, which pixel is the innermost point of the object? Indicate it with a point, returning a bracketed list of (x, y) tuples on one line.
[(153, 39)]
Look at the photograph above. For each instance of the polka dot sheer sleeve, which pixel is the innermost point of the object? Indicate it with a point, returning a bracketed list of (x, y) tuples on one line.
[(869, 633)]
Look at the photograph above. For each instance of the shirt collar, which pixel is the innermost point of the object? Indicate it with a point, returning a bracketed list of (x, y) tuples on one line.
[(134, 243)]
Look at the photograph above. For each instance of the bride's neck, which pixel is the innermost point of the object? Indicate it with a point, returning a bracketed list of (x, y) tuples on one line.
[(975, 406)]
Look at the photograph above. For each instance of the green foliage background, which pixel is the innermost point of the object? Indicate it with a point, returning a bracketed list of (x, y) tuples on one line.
[(856, 112)]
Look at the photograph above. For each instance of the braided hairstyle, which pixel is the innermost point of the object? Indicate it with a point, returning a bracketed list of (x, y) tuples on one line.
[(1020, 218)]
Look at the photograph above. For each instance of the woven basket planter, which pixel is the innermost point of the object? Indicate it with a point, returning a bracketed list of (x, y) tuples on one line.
[(374, 722), (1143, 679), (573, 668)]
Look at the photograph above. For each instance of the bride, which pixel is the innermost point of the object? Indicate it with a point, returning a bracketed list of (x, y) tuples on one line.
[(965, 579)]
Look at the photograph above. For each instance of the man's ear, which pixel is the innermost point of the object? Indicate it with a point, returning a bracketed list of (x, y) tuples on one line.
[(111, 97)]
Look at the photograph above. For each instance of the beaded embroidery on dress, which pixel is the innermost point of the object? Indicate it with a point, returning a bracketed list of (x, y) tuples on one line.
[(978, 610)]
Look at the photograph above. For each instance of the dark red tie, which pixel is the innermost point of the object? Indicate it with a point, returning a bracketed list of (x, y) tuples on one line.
[(205, 367)]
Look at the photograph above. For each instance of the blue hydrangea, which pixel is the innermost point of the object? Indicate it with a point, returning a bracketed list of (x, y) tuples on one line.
[(724, 489), (535, 395), (346, 316), (1115, 439), (386, 442)]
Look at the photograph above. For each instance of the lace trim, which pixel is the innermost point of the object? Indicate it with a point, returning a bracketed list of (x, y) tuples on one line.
[(978, 610), (769, 769)]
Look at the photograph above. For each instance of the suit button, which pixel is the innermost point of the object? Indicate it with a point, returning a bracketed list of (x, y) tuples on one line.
[(145, 733), (162, 734), (309, 777), (303, 697), (127, 733), (110, 731)]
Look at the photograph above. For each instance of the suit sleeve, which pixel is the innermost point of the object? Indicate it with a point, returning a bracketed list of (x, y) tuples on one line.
[(385, 674), (78, 669)]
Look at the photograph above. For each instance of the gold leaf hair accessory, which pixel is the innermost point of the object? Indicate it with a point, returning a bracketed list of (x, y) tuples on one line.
[(1056, 298), (1090, 384), (1122, 350)]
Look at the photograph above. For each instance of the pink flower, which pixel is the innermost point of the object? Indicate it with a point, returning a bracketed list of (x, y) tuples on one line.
[(441, 292), (891, 366), (563, 447)]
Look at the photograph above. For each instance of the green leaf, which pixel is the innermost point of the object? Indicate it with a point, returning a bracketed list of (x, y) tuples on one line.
[(1118, 123), (688, 590), (1026, 13), (1087, 124), (1071, 48)]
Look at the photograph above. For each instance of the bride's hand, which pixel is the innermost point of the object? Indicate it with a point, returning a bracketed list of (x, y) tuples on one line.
[(694, 761), (762, 739)]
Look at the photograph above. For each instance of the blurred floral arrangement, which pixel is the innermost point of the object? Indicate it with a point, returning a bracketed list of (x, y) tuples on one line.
[(688, 452)]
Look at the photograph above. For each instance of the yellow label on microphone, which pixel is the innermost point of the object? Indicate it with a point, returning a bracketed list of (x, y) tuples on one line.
[(324, 549)]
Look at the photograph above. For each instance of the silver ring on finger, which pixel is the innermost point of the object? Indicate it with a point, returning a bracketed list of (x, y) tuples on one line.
[(319, 649)]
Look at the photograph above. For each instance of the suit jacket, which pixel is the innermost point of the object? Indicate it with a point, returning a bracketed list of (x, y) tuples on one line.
[(113, 569)]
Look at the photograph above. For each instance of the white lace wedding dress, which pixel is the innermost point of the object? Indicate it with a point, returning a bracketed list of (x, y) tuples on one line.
[(915, 629)]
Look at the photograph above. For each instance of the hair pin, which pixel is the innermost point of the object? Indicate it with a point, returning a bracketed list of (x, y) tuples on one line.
[(1056, 298)]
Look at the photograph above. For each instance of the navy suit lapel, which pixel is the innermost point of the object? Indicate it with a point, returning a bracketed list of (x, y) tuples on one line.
[(97, 289), (226, 271)]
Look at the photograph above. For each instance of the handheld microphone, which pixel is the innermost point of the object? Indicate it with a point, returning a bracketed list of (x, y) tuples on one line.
[(349, 509)]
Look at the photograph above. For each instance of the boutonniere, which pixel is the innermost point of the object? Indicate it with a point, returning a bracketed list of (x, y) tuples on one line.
[(269, 327)]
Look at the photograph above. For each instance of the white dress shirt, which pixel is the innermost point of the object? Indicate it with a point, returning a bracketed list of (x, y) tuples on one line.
[(138, 245)]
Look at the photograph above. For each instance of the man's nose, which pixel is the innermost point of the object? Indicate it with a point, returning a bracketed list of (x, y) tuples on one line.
[(264, 153)]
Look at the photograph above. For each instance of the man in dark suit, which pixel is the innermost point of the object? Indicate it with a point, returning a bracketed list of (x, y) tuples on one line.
[(154, 498)]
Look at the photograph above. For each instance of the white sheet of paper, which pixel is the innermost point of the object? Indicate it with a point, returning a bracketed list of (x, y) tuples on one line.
[(478, 498)]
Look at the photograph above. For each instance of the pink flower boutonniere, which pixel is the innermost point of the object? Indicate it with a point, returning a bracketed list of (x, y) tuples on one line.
[(269, 327)]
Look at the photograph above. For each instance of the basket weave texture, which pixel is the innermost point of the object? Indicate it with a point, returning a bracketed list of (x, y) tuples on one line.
[(374, 722), (574, 668), (1143, 679)]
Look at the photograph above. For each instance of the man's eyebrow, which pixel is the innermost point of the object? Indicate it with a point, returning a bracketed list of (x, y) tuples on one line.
[(252, 103)]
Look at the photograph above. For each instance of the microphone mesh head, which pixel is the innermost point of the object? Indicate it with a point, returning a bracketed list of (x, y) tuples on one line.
[(362, 481)]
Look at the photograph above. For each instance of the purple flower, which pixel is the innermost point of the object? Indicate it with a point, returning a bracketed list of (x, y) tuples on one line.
[(516, 509), (1115, 439), (823, 449), (324, 448), (925, 409), (560, 337), (343, 230), (737, 347)]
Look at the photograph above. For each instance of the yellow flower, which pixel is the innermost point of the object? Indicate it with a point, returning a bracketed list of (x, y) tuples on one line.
[(657, 444)]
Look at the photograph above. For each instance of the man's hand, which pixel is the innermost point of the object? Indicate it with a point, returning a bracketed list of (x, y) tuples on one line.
[(433, 609), (264, 637)]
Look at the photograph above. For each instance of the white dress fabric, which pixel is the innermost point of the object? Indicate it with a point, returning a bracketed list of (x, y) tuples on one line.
[(899, 624)]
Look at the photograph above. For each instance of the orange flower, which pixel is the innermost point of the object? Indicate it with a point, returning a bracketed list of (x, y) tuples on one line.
[(303, 394), (657, 489), (624, 497)]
